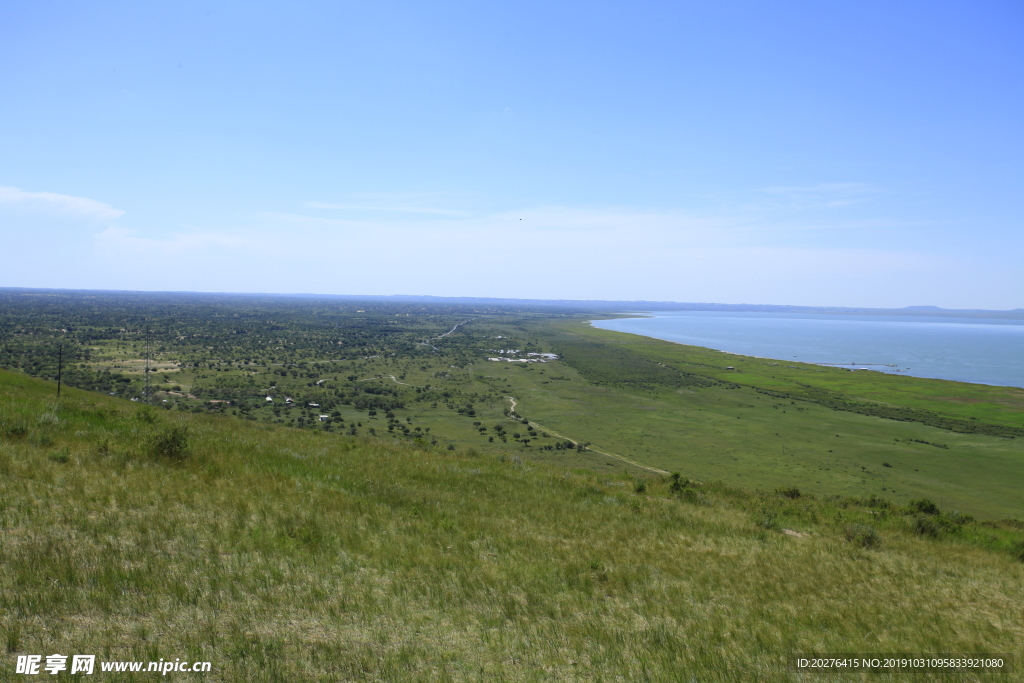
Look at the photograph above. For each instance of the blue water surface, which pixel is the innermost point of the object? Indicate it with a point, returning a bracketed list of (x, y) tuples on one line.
[(982, 351)]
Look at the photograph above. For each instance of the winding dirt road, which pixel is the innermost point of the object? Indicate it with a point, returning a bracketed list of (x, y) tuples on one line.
[(535, 425), (440, 336)]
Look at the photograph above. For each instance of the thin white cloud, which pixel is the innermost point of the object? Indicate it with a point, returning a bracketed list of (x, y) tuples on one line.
[(824, 195), (121, 240), (51, 202), (388, 209), (550, 228), (541, 252), (303, 238), (821, 188)]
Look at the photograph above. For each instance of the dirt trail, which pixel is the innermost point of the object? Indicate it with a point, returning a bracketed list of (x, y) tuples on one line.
[(367, 379), (535, 425), (440, 336)]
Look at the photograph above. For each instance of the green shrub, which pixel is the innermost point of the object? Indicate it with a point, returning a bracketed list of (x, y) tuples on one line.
[(1018, 550), (767, 520), (171, 443), (957, 517), (924, 505), (677, 485), (691, 496), (878, 502), (792, 492), (954, 521), (863, 535), (924, 526), (640, 486)]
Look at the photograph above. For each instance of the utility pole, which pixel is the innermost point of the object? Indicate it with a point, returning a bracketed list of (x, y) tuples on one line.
[(145, 389), (60, 365)]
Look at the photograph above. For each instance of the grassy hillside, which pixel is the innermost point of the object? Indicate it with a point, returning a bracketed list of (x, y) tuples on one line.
[(291, 554)]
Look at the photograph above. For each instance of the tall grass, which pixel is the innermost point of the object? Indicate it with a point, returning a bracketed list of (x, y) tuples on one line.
[(285, 555)]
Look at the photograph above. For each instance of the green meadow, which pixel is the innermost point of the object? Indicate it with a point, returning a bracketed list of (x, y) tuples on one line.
[(284, 554), (762, 424)]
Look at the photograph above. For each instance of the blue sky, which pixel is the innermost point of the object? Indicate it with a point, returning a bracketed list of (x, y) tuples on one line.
[(818, 153)]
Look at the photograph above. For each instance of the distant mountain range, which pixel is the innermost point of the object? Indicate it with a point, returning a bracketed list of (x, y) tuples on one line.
[(621, 306)]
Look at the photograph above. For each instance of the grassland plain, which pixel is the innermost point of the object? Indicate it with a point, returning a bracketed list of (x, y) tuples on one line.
[(767, 423), (284, 554), (419, 375), (997, 405)]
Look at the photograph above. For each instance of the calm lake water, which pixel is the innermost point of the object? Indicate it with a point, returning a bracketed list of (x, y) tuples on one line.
[(982, 351)]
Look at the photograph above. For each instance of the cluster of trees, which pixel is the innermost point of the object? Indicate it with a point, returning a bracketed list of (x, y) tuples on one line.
[(230, 344), (234, 351), (52, 354)]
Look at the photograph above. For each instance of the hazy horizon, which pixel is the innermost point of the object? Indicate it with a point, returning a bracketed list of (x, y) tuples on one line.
[(497, 300)]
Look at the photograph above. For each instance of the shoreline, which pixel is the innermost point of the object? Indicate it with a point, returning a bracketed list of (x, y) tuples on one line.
[(896, 370)]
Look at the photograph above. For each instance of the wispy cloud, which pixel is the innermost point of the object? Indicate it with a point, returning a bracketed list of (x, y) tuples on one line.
[(51, 202), (553, 226), (824, 195), (538, 252), (388, 209), (121, 240)]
